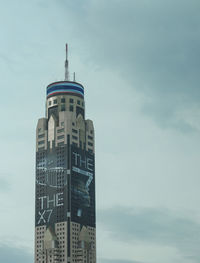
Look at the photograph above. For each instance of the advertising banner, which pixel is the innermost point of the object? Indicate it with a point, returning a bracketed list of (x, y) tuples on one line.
[(51, 187), (53, 201), (82, 187)]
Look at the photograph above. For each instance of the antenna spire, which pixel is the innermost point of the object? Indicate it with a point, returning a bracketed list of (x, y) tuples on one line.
[(66, 65)]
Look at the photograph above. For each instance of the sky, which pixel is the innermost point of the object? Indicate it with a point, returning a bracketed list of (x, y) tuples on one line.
[(139, 63)]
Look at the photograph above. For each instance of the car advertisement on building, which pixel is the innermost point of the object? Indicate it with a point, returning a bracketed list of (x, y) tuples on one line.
[(51, 187), (82, 186)]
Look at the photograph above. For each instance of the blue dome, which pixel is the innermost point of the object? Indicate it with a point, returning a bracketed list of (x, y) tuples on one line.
[(65, 87)]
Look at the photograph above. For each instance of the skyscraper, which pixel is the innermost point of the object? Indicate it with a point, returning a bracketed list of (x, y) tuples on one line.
[(65, 225)]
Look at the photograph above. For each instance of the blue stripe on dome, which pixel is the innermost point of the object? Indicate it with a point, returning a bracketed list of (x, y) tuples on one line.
[(65, 84), (63, 87), (65, 91)]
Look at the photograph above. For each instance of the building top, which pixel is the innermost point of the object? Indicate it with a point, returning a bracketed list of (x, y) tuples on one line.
[(65, 87)]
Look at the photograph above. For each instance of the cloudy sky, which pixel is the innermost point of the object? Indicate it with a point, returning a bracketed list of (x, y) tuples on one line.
[(139, 63)]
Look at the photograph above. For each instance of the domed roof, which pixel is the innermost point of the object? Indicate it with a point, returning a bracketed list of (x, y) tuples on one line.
[(65, 87)]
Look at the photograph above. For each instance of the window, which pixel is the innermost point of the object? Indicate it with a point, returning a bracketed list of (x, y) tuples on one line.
[(71, 100), (74, 137), (83, 104), (89, 143), (49, 102), (62, 100), (78, 102), (73, 123), (91, 132), (55, 102), (71, 108), (90, 137), (62, 123), (63, 107), (41, 142), (60, 130), (60, 137), (75, 131), (40, 148)]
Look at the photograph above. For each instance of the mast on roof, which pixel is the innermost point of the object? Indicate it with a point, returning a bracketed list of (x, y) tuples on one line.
[(66, 65)]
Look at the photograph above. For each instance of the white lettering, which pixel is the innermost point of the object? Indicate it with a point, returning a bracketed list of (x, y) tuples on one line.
[(59, 200), (83, 162), (90, 164), (47, 202), (42, 201), (41, 217), (45, 214), (50, 201), (50, 212)]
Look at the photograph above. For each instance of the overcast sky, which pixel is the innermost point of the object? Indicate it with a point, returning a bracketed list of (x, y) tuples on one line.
[(139, 63)]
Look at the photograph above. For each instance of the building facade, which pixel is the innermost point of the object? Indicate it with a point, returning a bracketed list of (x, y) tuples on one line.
[(65, 225)]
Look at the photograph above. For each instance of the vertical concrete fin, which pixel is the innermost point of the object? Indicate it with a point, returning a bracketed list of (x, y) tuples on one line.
[(51, 130)]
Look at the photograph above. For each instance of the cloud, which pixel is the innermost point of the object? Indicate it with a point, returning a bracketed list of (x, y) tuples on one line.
[(154, 45), (157, 226), (10, 254), (4, 184)]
